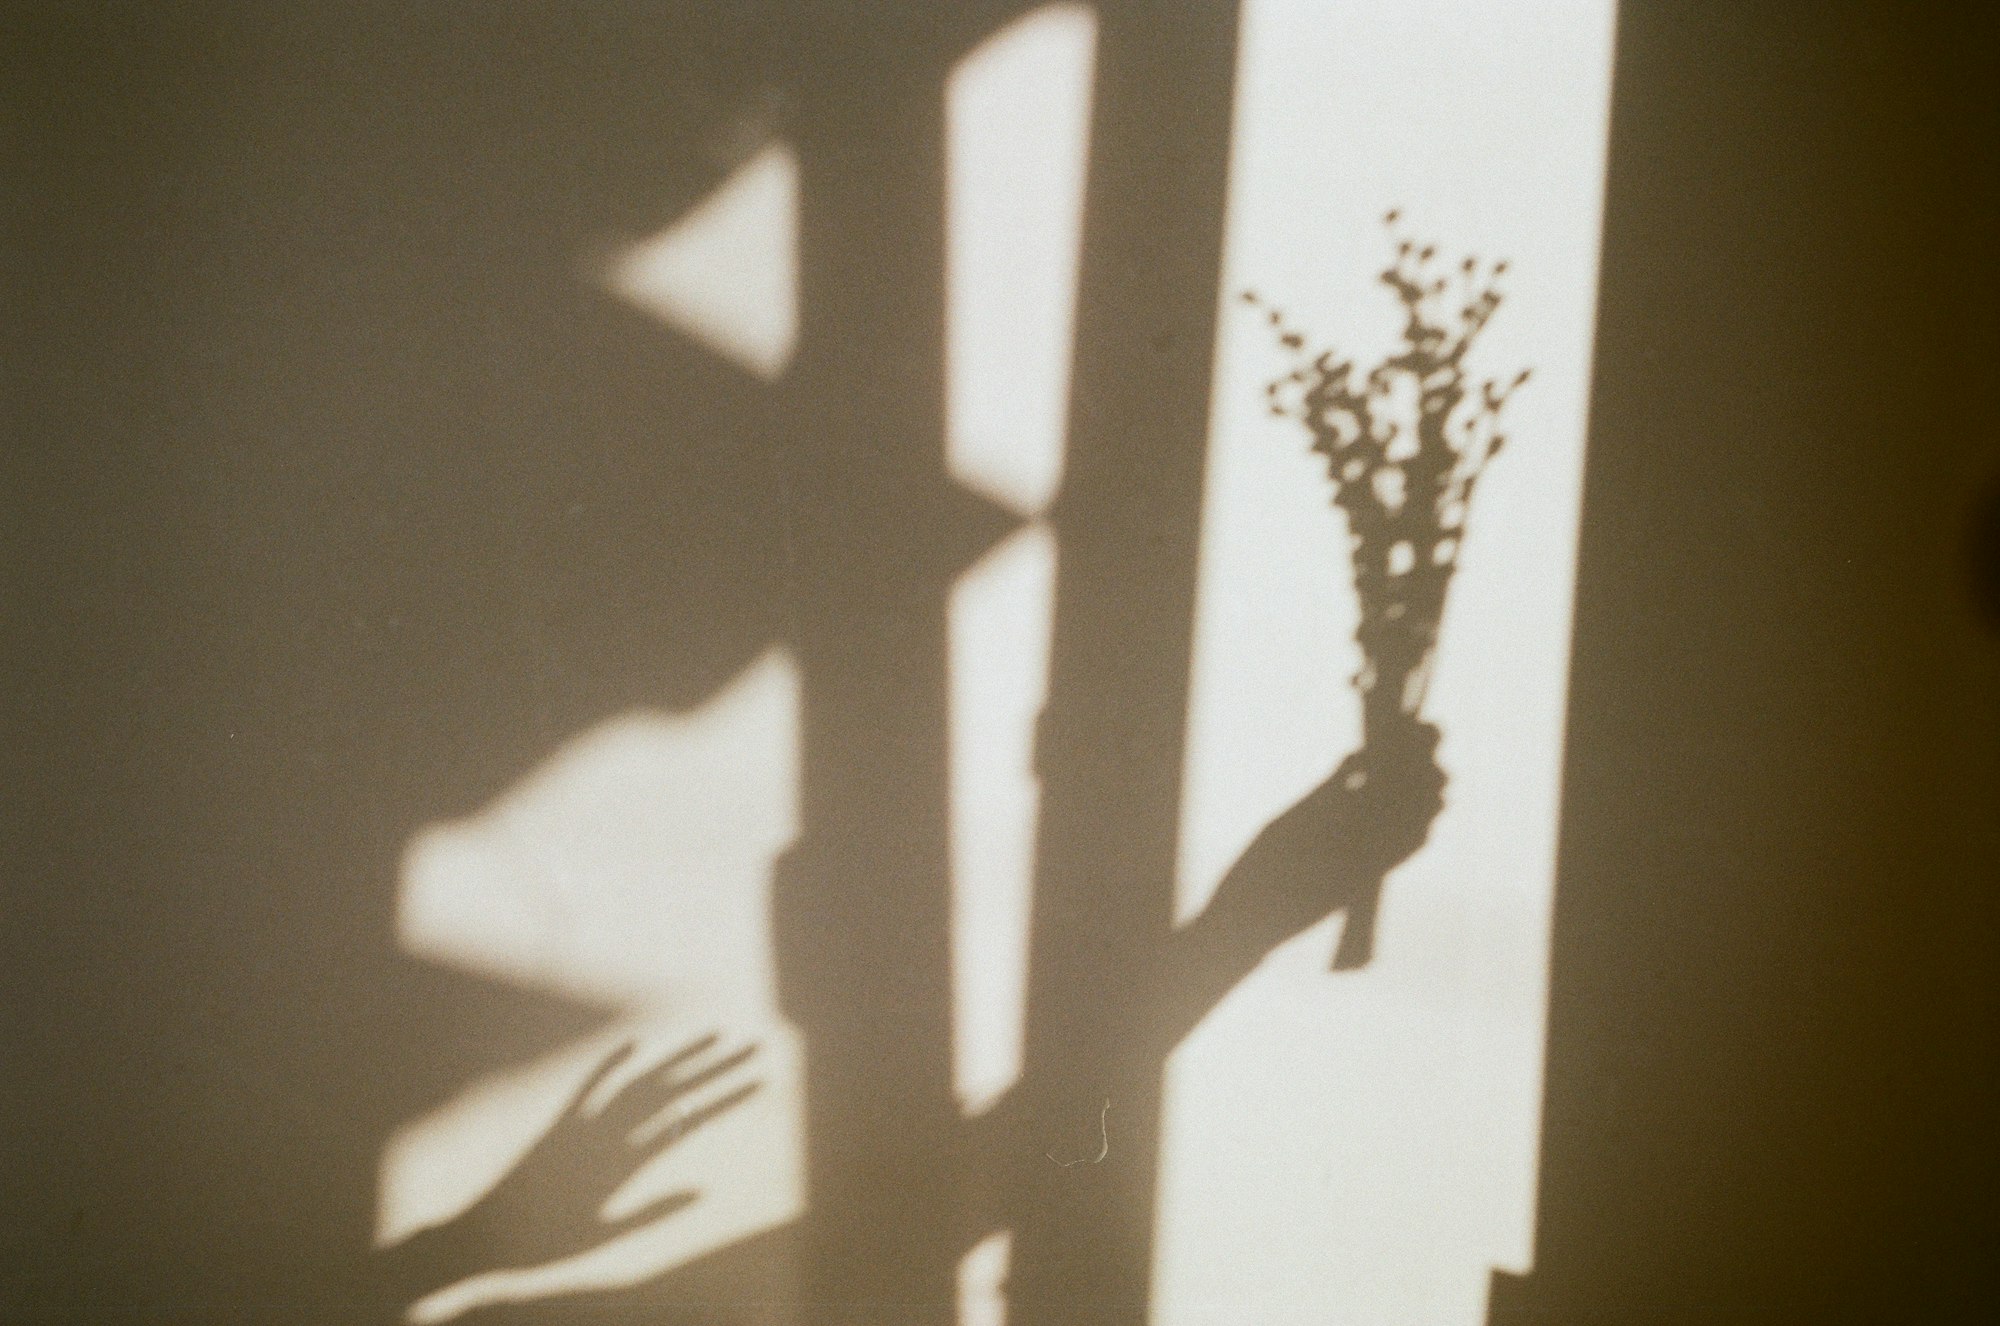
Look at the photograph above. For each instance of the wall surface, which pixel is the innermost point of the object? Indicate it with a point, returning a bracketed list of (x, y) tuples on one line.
[(1771, 1076), (328, 485)]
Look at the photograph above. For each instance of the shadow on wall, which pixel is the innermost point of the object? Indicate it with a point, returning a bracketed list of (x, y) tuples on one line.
[(899, 1184), (357, 496), (360, 493)]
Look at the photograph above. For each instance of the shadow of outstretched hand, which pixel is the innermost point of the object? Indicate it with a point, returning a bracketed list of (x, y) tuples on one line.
[(551, 1203)]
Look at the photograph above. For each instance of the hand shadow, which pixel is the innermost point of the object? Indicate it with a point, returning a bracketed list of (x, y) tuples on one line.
[(1329, 852), (550, 1204)]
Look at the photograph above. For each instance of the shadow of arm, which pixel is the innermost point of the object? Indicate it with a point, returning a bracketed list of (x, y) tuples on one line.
[(550, 1204), (1329, 852)]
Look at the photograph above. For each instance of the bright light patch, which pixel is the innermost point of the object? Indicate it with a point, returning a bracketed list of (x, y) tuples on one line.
[(633, 869), (1017, 113), (1017, 117), (1361, 1147), (1000, 615), (727, 273), (982, 1281)]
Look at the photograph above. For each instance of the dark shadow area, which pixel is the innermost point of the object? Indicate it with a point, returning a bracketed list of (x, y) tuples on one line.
[(1983, 554), (342, 497), (336, 498), (1771, 1082)]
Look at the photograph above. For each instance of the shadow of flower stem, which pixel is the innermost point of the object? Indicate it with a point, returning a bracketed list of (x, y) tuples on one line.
[(1405, 443)]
